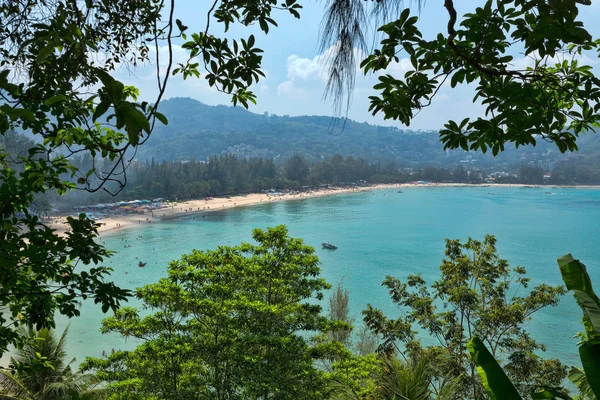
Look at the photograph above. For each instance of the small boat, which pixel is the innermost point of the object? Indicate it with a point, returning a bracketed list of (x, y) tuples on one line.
[(548, 192), (329, 246), (141, 264), (400, 191)]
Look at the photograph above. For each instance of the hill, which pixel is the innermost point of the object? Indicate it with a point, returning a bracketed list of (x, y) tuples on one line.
[(197, 131)]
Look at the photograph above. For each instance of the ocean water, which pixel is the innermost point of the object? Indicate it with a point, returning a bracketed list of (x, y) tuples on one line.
[(380, 233)]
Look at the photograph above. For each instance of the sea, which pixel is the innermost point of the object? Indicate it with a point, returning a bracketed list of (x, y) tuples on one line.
[(378, 233)]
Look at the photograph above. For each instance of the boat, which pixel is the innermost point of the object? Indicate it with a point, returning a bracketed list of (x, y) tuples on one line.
[(329, 246), (141, 264), (400, 191)]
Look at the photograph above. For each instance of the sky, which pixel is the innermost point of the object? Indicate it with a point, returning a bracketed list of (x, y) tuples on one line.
[(295, 73)]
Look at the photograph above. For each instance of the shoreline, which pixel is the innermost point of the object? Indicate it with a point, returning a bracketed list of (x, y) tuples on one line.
[(198, 206)]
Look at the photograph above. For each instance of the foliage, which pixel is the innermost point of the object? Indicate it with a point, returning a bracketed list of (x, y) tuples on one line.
[(40, 371), (492, 376), (383, 378), (56, 60), (234, 322), (577, 280), (478, 294), (339, 310), (353, 377), (412, 380), (579, 379), (531, 175), (227, 175), (198, 131), (555, 97)]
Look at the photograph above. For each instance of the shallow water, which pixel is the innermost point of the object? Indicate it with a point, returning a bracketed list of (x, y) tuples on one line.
[(381, 233)]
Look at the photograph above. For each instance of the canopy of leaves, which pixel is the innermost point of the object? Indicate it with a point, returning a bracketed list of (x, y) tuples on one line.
[(56, 60), (234, 322), (478, 294), (554, 97)]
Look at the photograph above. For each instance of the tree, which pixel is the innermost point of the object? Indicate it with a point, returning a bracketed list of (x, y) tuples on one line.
[(296, 169), (477, 294), (577, 280), (339, 310), (556, 97), (411, 380), (41, 371), (56, 60), (531, 175), (228, 323)]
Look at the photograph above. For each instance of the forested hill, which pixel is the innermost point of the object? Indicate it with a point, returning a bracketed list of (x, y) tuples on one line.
[(197, 131)]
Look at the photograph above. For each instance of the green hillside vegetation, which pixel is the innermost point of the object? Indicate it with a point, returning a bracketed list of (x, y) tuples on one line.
[(197, 131)]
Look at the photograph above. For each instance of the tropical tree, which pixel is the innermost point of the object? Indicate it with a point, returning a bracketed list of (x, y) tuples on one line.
[(234, 322), (413, 380), (56, 60), (478, 293), (498, 384), (40, 371), (550, 94)]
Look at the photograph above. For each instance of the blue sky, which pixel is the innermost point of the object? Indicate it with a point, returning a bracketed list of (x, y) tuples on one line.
[(295, 76)]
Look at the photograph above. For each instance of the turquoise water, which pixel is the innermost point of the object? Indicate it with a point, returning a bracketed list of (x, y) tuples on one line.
[(381, 233)]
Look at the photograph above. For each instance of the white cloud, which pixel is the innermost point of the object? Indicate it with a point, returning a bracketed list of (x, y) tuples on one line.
[(264, 88), (299, 68), (285, 88), (397, 69), (302, 70)]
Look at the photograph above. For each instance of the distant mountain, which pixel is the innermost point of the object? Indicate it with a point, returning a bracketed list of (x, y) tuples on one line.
[(197, 131)]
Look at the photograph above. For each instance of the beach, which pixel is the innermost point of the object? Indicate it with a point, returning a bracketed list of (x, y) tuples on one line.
[(191, 207)]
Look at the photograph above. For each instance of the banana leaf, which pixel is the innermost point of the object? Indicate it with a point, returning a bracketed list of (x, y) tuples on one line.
[(551, 394), (578, 281), (578, 378), (495, 381), (589, 352)]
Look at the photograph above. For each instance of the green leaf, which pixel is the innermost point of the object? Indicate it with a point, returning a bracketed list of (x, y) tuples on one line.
[(23, 113), (100, 110), (161, 118), (263, 25), (135, 121), (43, 54), (495, 381), (577, 280), (589, 352), (113, 87), (551, 393), (57, 98), (579, 379)]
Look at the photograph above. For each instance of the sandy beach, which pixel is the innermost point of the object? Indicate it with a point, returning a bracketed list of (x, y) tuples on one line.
[(191, 207)]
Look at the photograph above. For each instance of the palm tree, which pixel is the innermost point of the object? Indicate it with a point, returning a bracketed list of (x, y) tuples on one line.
[(412, 380), (42, 373)]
